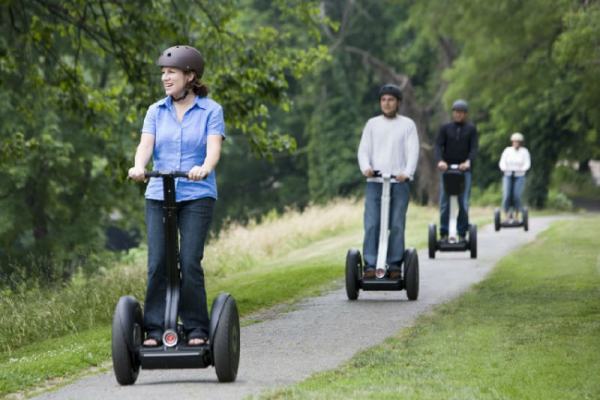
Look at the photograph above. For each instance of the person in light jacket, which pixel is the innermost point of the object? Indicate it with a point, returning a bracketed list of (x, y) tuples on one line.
[(390, 145), (514, 163)]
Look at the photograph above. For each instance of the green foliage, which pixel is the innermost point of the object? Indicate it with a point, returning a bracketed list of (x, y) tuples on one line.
[(558, 201), (528, 67), (373, 41), (77, 77)]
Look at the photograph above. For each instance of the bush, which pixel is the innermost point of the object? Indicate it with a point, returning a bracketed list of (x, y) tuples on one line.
[(488, 197), (558, 201), (573, 183)]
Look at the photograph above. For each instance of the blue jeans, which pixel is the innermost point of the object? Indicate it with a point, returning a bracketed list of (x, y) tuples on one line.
[(399, 194), (517, 191), (462, 223), (193, 220)]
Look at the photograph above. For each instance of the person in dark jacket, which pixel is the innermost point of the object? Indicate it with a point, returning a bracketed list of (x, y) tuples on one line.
[(456, 143)]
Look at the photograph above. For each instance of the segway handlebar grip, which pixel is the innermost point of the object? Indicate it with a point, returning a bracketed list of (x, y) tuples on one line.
[(159, 174), (377, 174)]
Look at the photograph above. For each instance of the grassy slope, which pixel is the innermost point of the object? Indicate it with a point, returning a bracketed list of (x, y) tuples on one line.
[(297, 271), (530, 331)]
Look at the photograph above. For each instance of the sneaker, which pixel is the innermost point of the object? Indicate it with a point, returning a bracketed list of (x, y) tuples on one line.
[(369, 273), (444, 237)]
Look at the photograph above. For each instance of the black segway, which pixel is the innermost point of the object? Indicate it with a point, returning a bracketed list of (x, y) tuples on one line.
[(223, 348), (511, 223), (454, 185), (409, 277)]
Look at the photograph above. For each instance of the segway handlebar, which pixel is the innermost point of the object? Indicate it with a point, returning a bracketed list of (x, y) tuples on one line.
[(377, 174), (160, 174)]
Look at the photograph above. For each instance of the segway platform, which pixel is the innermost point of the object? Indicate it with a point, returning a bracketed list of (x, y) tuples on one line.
[(409, 271), (523, 222), (223, 348)]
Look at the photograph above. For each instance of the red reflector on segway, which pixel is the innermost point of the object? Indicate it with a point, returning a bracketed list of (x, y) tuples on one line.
[(170, 338)]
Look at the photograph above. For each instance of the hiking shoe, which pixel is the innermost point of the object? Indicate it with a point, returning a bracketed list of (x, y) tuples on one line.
[(369, 273), (395, 271), (462, 238)]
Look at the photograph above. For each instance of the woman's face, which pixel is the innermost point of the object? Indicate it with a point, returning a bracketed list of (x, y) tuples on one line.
[(174, 80), (516, 144)]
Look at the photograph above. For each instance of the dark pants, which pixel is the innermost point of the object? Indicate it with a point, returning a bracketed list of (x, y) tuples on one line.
[(193, 220), (462, 223), (399, 194)]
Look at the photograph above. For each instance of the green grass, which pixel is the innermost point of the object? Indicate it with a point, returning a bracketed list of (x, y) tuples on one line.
[(315, 263), (529, 331)]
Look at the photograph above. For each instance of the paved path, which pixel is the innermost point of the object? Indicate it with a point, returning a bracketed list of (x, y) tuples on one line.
[(320, 334)]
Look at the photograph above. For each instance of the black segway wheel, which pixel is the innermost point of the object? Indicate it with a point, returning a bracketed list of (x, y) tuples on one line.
[(411, 274), (226, 339), (525, 219), (432, 239), (127, 330), (353, 266), (496, 220), (473, 240)]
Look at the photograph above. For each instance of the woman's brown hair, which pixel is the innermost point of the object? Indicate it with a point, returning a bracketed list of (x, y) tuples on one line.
[(199, 88)]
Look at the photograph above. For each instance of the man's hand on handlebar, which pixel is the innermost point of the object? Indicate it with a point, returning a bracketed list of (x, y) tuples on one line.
[(464, 166), (137, 174), (402, 178), (442, 166), (369, 172)]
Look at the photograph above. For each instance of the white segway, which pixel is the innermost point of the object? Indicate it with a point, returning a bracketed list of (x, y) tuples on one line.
[(409, 279)]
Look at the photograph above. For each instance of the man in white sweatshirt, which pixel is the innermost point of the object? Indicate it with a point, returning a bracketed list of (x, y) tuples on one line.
[(390, 145), (514, 163)]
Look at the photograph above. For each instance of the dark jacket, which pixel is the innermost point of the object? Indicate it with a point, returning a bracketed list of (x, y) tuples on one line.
[(456, 143)]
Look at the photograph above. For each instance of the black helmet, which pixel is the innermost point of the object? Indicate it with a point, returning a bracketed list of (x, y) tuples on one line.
[(391, 89), (460, 105), (185, 58)]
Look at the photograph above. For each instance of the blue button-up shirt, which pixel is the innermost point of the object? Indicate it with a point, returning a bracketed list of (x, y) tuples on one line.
[(178, 146)]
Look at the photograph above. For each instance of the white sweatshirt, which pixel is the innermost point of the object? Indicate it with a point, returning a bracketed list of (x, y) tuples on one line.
[(390, 146), (515, 160)]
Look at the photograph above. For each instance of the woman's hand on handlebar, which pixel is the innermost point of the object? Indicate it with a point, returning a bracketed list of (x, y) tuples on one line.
[(402, 178), (198, 172), (137, 174), (442, 165)]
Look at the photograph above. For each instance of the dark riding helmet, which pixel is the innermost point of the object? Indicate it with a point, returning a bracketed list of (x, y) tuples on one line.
[(460, 105), (186, 58), (391, 89)]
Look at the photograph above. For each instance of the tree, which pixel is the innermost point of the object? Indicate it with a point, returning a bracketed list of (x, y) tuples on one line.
[(514, 65), (375, 43), (77, 77)]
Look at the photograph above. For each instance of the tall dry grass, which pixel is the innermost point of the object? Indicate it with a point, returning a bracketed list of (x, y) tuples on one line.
[(86, 302), (240, 247)]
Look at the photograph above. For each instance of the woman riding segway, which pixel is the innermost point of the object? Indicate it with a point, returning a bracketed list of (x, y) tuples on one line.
[(514, 164), (181, 132)]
